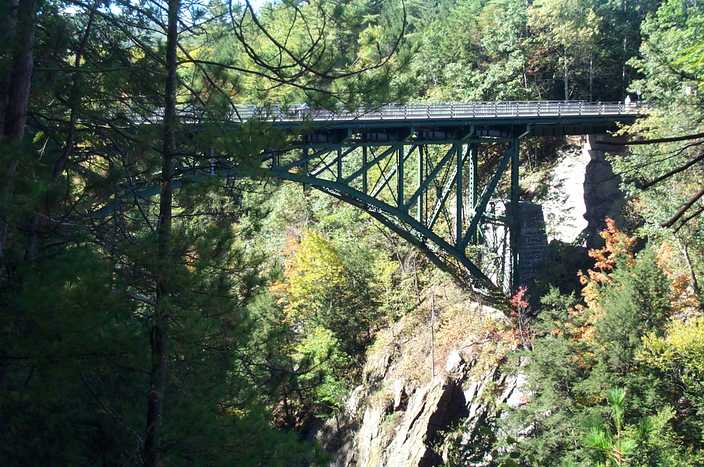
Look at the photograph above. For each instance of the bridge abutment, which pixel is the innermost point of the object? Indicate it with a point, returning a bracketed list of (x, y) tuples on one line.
[(602, 193), (533, 243)]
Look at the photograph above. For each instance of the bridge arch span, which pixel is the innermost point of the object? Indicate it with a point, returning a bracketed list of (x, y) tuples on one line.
[(416, 169)]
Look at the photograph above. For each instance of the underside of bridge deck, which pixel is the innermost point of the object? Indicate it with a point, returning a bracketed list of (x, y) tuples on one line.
[(442, 180)]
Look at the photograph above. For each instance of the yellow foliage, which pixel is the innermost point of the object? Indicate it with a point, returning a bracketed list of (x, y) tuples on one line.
[(314, 269), (680, 352), (684, 300)]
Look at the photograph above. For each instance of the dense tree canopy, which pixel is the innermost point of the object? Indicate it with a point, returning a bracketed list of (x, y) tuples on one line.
[(221, 323)]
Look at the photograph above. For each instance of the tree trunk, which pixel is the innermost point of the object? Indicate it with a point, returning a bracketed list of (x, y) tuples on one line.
[(42, 218), (591, 76), (20, 77), (624, 9), (75, 96), (8, 23), (159, 329), (17, 100), (692, 274)]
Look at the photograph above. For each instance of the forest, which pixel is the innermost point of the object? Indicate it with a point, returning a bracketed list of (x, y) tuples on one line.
[(250, 321)]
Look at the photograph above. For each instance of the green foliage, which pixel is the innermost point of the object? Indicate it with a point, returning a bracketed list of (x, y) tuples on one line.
[(570, 30), (671, 53), (322, 291), (517, 50), (637, 302), (64, 400), (671, 79), (76, 380), (676, 359), (613, 442), (320, 353), (612, 448), (579, 354)]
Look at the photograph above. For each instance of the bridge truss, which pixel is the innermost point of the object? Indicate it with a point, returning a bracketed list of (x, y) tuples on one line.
[(428, 191), (431, 174)]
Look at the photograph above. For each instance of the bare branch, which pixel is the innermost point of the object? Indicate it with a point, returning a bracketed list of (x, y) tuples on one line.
[(684, 222), (300, 59), (683, 209), (674, 171), (671, 139)]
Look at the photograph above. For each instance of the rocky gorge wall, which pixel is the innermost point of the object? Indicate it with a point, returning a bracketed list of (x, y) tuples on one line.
[(404, 415), (581, 190), (431, 399)]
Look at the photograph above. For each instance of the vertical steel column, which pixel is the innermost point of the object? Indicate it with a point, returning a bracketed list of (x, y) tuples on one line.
[(365, 170), (339, 163), (420, 205), (425, 195), (458, 194), (473, 189), (305, 159), (515, 226), (399, 176)]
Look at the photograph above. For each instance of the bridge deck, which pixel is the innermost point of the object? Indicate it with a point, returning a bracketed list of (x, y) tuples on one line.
[(544, 117), (379, 161)]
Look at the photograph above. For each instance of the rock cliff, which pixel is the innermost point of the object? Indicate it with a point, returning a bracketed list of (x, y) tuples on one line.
[(404, 416), (433, 398)]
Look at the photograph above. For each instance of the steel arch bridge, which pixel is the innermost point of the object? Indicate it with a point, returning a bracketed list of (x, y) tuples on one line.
[(429, 173)]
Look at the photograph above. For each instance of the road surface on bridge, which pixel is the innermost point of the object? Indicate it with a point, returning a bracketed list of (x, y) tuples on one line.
[(381, 161), (453, 113)]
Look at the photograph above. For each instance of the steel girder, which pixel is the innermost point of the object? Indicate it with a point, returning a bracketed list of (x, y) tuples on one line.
[(430, 193)]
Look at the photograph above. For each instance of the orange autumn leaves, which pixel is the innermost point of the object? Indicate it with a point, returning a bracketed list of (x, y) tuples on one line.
[(618, 252)]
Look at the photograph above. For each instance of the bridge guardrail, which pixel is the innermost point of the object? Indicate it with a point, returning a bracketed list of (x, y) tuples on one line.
[(479, 110)]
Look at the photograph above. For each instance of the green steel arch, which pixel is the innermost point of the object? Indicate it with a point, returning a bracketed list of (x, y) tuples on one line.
[(416, 169)]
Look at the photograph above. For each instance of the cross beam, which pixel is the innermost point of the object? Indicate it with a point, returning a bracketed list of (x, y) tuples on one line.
[(435, 207), (461, 153)]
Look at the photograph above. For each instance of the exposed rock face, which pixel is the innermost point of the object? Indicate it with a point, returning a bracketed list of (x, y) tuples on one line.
[(582, 190), (431, 409), (563, 203), (396, 421), (415, 437)]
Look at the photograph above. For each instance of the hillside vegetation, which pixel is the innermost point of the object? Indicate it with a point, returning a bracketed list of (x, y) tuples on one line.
[(255, 322)]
